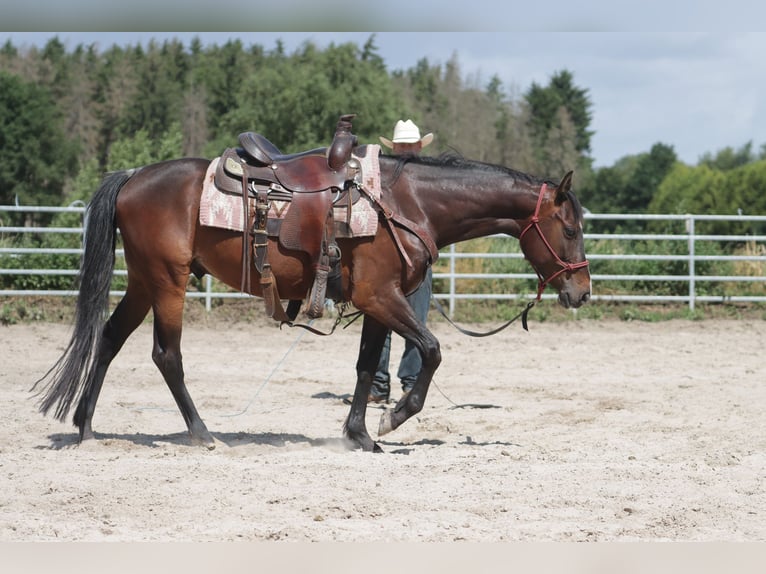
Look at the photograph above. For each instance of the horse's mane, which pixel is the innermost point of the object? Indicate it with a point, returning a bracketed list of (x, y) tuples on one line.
[(452, 160), (456, 161)]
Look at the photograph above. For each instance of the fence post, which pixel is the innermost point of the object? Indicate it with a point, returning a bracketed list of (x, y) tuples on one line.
[(80, 203), (452, 281), (692, 282), (208, 292)]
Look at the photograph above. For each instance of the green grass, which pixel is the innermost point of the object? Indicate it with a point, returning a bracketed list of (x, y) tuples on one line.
[(495, 312), (16, 310)]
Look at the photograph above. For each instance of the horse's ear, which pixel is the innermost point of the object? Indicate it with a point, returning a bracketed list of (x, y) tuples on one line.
[(564, 186)]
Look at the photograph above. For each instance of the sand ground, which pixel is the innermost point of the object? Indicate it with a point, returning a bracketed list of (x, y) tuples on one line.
[(576, 431)]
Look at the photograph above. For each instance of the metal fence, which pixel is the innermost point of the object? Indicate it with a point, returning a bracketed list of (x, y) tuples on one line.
[(448, 277), (692, 275)]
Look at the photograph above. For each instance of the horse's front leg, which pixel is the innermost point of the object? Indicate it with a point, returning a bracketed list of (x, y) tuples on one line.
[(412, 403), (355, 428)]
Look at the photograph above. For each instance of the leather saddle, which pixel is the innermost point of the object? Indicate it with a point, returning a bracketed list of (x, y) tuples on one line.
[(303, 172), (311, 181), (260, 161)]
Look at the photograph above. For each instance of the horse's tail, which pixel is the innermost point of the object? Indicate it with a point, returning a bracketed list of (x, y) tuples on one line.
[(75, 369)]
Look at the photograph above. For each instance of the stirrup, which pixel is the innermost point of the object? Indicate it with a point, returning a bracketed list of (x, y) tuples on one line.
[(315, 302)]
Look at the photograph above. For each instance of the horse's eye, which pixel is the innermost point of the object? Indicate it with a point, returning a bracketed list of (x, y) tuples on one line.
[(570, 232)]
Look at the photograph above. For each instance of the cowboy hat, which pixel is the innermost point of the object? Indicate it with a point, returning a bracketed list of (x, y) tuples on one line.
[(407, 132)]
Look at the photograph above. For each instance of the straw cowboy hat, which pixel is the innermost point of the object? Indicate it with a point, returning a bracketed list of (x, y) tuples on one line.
[(407, 132)]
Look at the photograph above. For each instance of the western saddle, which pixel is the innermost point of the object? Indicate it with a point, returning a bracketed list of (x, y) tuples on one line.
[(308, 180)]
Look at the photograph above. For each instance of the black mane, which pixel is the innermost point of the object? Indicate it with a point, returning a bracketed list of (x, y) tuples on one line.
[(455, 161)]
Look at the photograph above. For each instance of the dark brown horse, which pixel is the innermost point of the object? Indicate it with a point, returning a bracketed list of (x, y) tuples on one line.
[(156, 208)]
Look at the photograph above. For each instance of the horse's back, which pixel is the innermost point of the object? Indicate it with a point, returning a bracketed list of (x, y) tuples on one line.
[(169, 183)]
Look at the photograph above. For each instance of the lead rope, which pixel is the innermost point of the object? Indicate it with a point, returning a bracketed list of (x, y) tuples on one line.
[(523, 314), (268, 378), (341, 315)]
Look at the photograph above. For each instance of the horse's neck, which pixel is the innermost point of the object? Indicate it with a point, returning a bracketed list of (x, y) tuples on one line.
[(459, 203), (493, 207)]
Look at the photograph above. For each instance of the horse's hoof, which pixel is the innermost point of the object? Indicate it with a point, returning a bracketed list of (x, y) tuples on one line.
[(386, 424), (86, 437), (365, 444), (206, 441)]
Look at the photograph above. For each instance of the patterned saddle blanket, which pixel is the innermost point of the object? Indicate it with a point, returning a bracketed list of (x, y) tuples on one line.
[(224, 209)]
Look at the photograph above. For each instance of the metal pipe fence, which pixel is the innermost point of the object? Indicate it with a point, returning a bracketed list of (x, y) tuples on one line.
[(742, 268)]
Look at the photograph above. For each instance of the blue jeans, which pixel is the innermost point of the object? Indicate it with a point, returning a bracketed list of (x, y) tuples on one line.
[(410, 363)]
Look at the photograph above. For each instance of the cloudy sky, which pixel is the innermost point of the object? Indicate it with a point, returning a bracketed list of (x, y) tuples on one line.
[(697, 90)]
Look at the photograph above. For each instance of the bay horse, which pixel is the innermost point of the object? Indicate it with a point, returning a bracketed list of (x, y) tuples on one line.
[(445, 200)]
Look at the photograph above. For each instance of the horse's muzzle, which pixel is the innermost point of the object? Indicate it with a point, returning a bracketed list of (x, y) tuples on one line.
[(572, 301)]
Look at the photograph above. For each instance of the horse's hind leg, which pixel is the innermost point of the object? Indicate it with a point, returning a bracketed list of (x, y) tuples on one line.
[(168, 314), (128, 315)]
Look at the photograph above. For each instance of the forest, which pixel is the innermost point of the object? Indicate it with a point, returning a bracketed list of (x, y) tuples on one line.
[(69, 115)]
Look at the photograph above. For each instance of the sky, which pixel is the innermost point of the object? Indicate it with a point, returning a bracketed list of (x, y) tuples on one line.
[(697, 91)]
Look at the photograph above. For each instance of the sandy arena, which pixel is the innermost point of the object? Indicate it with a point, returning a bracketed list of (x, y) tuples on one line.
[(576, 431)]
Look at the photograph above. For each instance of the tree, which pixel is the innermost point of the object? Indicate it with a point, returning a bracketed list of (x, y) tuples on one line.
[(370, 53), (423, 82), (143, 149), (77, 101), (649, 171), (560, 151), (705, 190), (688, 189), (462, 116), (630, 185), (220, 71), (37, 157), (296, 101), (116, 86), (466, 118), (195, 122), (158, 100), (729, 158), (557, 110)]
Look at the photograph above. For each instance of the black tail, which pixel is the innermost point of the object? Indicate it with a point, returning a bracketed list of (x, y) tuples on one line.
[(74, 371)]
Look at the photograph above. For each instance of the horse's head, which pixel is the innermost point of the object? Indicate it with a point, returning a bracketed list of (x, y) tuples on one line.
[(552, 241)]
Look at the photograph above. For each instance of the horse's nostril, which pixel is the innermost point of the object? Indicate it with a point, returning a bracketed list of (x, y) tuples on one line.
[(585, 297)]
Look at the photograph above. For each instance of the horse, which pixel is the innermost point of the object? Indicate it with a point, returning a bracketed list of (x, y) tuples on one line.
[(426, 204)]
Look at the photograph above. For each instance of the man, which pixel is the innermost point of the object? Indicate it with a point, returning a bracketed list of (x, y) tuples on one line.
[(406, 140)]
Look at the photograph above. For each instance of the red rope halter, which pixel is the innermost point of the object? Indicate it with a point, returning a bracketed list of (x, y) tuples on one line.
[(565, 267)]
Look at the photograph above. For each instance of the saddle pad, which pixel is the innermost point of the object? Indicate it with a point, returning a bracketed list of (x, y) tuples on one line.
[(218, 209), (364, 218), (224, 210)]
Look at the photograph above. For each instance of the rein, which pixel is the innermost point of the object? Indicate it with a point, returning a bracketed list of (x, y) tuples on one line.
[(523, 314), (534, 223)]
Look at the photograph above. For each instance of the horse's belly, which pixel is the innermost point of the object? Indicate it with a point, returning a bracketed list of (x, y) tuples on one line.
[(220, 253)]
